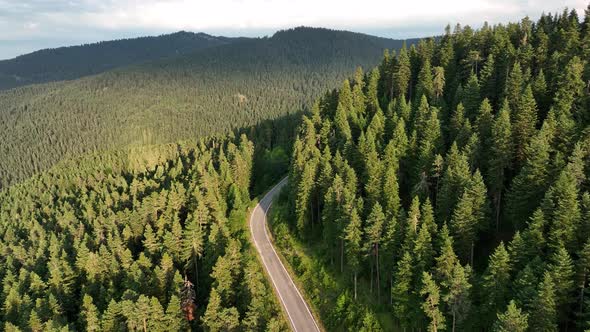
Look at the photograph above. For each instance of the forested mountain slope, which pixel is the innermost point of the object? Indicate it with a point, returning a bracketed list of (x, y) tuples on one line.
[(211, 91), (143, 239), (449, 188), (66, 63)]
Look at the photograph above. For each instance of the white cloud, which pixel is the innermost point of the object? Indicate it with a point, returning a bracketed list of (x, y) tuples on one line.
[(107, 19), (238, 14)]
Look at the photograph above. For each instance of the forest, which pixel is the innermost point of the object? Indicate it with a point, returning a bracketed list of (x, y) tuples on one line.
[(212, 91), (445, 186), (141, 239), (67, 63), (448, 188)]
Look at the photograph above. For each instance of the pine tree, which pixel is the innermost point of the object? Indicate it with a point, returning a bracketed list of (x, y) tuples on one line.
[(403, 301), (174, 319), (352, 237), (500, 157), (512, 320), (391, 200), (570, 87), (457, 297), (90, 318), (446, 261), (403, 73), (488, 79), (438, 83), (374, 233), (525, 120), (582, 278), (525, 283), (304, 197), (514, 87), (193, 242), (496, 283), (217, 318), (471, 97), (425, 85), (469, 217), (529, 185), (423, 251), (484, 122), (431, 303), (562, 210), (562, 272), (455, 177), (539, 86), (543, 316)]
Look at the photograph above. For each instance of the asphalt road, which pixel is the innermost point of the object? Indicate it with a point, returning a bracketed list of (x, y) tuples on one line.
[(299, 314)]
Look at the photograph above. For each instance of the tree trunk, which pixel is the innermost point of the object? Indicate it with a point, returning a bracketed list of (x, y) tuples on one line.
[(498, 204), (472, 247), (391, 289), (341, 255), (582, 295), (372, 263), (195, 261), (355, 285), (378, 280), (144, 325), (453, 321)]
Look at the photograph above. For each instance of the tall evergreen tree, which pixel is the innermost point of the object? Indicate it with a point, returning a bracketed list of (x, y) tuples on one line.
[(352, 237), (543, 315), (500, 157), (496, 283), (512, 320), (431, 303)]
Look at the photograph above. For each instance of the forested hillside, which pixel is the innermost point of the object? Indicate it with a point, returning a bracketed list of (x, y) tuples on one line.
[(143, 239), (67, 63), (448, 188), (211, 91)]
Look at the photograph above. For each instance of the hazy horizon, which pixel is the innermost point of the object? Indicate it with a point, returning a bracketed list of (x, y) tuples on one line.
[(32, 25)]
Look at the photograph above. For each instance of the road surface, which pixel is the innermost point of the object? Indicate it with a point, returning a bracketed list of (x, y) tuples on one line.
[(299, 314)]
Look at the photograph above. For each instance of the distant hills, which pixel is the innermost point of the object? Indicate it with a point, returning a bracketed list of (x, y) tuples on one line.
[(234, 84), (66, 63)]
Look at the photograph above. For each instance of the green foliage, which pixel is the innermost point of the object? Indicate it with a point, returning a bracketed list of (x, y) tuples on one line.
[(512, 320), (218, 89), (478, 132), (67, 63), (103, 242)]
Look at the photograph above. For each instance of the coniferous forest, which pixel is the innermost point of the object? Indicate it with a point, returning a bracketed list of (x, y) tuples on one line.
[(447, 188), (211, 91), (144, 239), (450, 185)]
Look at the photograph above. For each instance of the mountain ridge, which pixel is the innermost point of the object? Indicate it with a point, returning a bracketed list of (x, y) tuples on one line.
[(214, 90)]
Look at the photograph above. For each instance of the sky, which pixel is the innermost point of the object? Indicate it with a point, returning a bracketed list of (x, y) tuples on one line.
[(29, 25)]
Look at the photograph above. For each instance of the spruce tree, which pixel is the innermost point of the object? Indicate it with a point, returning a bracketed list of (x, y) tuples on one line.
[(512, 320), (403, 73), (402, 293), (525, 120), (431, 303), (562, 272), (352, 237), (457, 296), (471, 97), (374, 233), (543, 316), (496, 283), (500, 157)]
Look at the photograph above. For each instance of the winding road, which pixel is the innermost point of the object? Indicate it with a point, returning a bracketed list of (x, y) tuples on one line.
[(297, 309)]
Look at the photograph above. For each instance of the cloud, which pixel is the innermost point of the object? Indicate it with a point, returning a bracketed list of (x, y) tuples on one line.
[(90, 20)]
